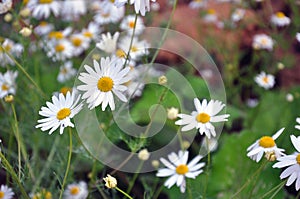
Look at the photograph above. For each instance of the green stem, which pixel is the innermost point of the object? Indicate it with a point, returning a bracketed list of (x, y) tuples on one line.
[(13, 174), (21, 146), (68, 165), (24, 71), (279, 186), (135, 177), (251, 178), (47, 164), (157, 193), (207, 167), (131, 40), (125, 194)]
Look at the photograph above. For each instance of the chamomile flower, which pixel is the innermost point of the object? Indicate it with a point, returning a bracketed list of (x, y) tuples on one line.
[(43, 8), (76, 191), (108, 43), (15, 49), (73, 9), (102, 81), (59, 35), (211, 16), (140, 6), (292, 162), (264, 80), (5, 6), (178, 169), (137, 48), (80, 43), (128, 24), (237, 15), (59, 112), (203, 117), (66, 72), (43, 28), (262, 42), (265, 144), (196, 4), (6, 192), (8, 83), (298, 125), (108, 13), (92, 31), (279, 19), (60, 50)]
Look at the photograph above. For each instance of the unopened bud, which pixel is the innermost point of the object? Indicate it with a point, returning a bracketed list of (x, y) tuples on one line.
[(25, 32), (155, 163), (162, 80), (25, 12), (8, 17), (144, 155), (9, 98)]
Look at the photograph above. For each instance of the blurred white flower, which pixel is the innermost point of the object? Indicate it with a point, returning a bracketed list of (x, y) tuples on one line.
[(137, 48), (140, 6), (262, 42), (80, 43), (264, 80), (108, 43), (211, 16), (15, 49), (289, 97), (5, 6), (60, 50), (196, 4), (238, 15), (6, 192), (108, 13), (43, 28), (279, 19), (43, 8), (128, 24), (76, 191), (66, 72), (8, 83), (73, 9)]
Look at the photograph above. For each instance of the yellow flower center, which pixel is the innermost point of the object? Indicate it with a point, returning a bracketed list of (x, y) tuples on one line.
[(134, 49), (105, 84), (203, 118), (88, 34), (59, 48), (266, 142), (56, 35), (76, 41), (45, 1), (211, 11), (182, 169), (298, 158), (120, 53), (198, 1), (280, 14), (25, 2), (4, 87), (264, 41), (43, 23), (7, 47), (105, 15), (74, 190), (131, 24), (113, 1), (2, 194), (265, 80), (64, 90), (63, 113)]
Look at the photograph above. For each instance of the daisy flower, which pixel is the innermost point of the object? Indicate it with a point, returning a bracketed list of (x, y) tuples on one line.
[(140, 6), (73, 9), (298, 125), (15, 49), (178, 169), (43, 28), (264, 80), (92, 31), (66, 72), (59, 35), (293, 164), (8, 83), (237, 15), (76, 191), (80, 43), (102, 81), (265, 144), (108, 43), (6, 192), (59, 112), (279, 19), (108, 13), (203, 117), (262, 42), (128, 24), (196, 4), (211, 16), (42, 8), (5, 6), (137, 48), (60, 50)]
